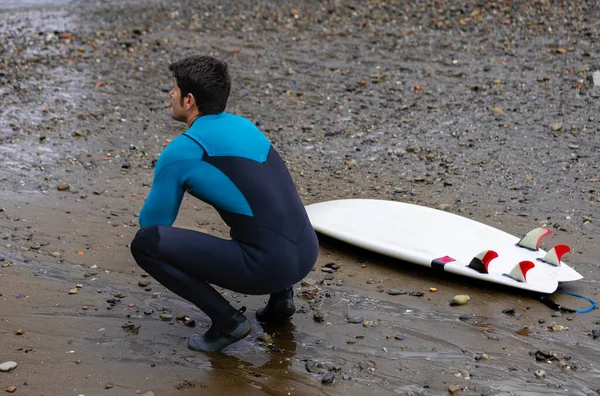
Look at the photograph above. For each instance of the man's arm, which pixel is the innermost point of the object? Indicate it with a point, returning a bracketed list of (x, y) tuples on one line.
[(163, 201)]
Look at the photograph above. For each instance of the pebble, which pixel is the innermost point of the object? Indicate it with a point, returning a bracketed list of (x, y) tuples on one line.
[(356, 319), (319, 317), (148, 311), (63, 187), (334, 266), (596, 78), (144, 283), (311, 367), (460, 299), (595, 333), (395, 292), (7, 366), (308, 282), (328, 379), (11, 389), (55, 254), (149, 393), (166, 317), (74, 291), (19, 332), (557, 328), (539, 374), (454, 388)]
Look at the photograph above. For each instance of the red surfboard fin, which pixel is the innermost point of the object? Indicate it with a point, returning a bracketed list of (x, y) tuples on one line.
[(519, 272), (481, 262), (533, 238), (555, 254)]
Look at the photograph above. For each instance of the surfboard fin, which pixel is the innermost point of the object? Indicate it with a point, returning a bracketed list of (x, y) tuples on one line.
[(533, 238), (555, 254), (519, 272), (482, 260)]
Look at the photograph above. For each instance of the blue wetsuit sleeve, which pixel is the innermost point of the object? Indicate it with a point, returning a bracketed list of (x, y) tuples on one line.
[(163, 202)]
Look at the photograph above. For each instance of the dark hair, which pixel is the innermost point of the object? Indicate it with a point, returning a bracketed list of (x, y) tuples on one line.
[(207, 79)]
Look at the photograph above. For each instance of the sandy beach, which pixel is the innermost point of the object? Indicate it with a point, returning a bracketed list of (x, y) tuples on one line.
[(485, 109)]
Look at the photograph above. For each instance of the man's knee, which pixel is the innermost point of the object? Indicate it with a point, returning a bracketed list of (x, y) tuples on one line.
[(145, 242)]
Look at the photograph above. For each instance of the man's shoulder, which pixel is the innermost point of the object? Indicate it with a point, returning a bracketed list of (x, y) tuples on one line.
[(182, 148)]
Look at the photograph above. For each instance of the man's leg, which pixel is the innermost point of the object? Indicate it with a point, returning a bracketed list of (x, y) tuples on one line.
[(184, 261)]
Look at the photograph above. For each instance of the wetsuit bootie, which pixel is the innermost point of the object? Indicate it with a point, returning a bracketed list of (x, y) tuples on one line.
[(219, 336), (279, 308)]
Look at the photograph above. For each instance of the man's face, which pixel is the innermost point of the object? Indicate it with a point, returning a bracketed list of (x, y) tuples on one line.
[(178, 112)]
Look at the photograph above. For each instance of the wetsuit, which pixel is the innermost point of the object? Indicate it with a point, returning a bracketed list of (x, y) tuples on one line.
[(226, 161)]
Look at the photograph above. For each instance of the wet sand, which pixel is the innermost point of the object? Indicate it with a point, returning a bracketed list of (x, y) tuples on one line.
[(488, 109)]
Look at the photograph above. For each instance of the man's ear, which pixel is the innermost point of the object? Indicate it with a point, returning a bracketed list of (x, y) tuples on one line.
[(189, 101)]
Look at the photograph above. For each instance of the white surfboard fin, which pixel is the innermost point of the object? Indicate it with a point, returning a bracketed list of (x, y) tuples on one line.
[(519, 272), (555, 254), (534, 237), (481, 262)]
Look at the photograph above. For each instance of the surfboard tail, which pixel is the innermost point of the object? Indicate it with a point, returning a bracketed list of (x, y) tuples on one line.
[(533, 238), (481, 262), (554, 255)]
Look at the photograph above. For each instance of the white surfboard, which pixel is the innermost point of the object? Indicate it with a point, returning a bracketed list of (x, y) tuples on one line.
[(444, 242)]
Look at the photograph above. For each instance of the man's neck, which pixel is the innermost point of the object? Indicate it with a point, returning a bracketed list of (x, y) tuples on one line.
[(192, 118)]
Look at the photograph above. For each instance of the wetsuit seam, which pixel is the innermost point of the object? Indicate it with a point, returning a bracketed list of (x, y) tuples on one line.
[(286, 238)]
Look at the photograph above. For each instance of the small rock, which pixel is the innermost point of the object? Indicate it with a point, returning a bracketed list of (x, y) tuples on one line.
[(460, 299), (356, 319), (308, 282), (539, 374), (55, 254), (265, 337), (190, 323), (311, 367), (11, 389), (144, 283), (497, 111), (148, 311), (74, 291), (7, 366), (63, 187), (454, 388), (557, 127), (319, 317), (445, 207), (595, 333), (395, 292), (334, 266), (596, 78), (149, 393), (416, 294), (400, 337), (125, 165), (328, 379), (166, 317), (19, 332), (557, 328)]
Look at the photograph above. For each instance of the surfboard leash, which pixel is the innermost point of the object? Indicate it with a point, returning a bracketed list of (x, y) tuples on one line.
[(559, 307)]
